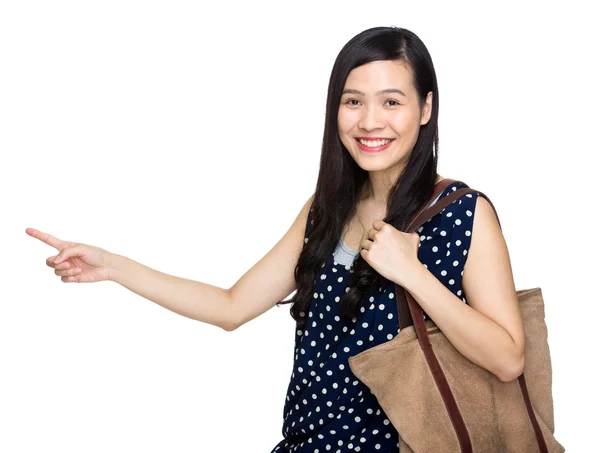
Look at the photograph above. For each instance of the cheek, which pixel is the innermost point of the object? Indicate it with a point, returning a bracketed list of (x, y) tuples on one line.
[(344, 129), (403, 125), (343, 123)]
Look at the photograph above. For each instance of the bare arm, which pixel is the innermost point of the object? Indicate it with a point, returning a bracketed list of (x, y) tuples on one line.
[(269, 281), (193, 299)]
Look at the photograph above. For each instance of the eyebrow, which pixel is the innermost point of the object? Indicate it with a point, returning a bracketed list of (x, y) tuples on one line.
[(389, 90)]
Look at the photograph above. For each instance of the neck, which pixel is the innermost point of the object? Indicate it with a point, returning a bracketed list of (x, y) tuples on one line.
[(378, 186)]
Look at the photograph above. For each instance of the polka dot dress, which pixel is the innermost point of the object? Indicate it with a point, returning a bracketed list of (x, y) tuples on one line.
[(327, 409)]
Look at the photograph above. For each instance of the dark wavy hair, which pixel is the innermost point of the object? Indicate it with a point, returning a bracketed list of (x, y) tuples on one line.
[(341, 180)]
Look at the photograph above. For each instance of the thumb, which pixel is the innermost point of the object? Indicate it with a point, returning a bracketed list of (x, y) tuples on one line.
[(68, 253)]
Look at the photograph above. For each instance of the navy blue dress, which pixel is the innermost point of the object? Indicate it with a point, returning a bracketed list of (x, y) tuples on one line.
[(327, 409)]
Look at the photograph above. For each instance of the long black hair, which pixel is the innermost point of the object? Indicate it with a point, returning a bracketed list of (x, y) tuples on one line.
[(341, 180)]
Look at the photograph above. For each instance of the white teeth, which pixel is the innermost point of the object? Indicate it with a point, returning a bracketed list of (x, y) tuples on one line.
[(373, 143)]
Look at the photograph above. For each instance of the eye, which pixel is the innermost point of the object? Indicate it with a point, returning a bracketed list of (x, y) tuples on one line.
[(395, 102), (349, 102)]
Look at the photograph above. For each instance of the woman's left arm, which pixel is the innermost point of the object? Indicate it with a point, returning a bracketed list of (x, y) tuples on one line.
[(489, 330)]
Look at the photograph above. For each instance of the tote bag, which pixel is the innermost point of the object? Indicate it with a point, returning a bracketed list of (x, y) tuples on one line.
[(440, 401)]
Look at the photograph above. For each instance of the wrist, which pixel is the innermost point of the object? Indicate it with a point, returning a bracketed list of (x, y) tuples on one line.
[(413, 276), (115, 265)]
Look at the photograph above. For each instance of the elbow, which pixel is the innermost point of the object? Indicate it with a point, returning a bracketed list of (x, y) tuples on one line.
[(513, 369), (229, 324), (229, 327), (230, 321)]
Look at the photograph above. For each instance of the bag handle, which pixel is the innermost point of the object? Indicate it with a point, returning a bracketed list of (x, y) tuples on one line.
[(411, 313)]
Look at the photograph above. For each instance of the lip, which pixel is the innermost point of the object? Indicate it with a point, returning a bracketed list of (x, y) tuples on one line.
[(376, 149)]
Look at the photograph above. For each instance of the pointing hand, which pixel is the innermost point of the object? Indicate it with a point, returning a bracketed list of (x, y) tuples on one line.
[(75, 262)]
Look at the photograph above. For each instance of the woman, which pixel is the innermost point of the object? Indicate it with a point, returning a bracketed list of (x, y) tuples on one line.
[(346, 251)]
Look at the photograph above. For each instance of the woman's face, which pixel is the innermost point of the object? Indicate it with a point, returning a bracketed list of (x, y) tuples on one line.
[(379, 115)]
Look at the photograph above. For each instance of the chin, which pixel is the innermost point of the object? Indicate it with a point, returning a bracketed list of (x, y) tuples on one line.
[(372, 166)]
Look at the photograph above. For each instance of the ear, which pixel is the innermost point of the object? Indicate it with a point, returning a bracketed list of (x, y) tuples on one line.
[(426, 113)]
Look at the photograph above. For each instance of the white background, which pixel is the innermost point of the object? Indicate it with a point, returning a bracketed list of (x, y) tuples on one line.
[(187, 137)]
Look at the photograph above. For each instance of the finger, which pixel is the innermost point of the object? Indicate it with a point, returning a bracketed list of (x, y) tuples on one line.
[(372, 234), (67, 253), (68, 272), (63, 265), (69, 279), (378, 224), (366, 244), (363, 253), (47, 238)]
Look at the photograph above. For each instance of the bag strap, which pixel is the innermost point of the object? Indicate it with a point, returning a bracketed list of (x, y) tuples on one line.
[(411, 313)]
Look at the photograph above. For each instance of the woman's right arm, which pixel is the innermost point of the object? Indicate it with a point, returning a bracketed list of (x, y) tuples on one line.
[(268, 282)]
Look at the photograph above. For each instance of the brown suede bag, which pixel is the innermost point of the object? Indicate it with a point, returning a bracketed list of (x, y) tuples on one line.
[(440, 401)]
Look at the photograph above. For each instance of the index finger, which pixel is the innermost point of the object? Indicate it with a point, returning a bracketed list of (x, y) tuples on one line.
[(47, 238)]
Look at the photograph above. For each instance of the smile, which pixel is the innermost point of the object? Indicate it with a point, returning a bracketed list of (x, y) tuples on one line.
[(373, 145)]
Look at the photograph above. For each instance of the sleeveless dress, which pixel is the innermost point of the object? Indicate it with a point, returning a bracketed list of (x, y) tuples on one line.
[(327, 408)]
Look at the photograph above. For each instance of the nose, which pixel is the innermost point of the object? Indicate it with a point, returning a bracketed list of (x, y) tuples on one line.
[(371, 118)]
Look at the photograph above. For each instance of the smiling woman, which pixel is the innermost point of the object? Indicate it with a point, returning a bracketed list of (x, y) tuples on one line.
[(378, 170)]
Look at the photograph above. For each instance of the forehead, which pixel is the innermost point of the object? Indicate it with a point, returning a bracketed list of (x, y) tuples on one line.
[(380, 75)]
